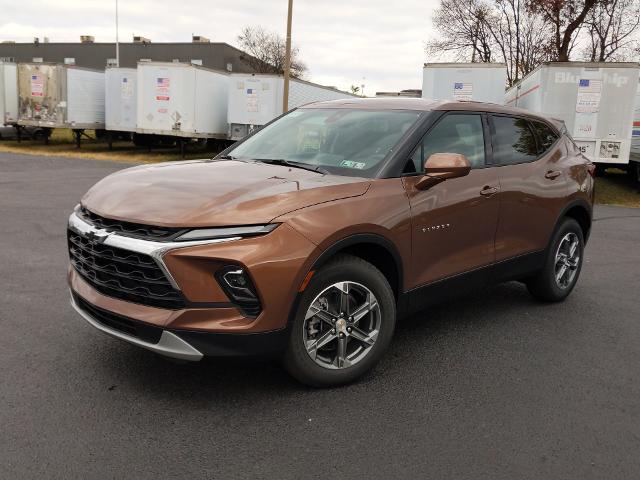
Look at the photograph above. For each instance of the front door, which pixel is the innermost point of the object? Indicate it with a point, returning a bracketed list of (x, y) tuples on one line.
[(453, 223)]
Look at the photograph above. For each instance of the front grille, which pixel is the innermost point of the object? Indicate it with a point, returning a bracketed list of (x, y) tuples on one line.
[(123, 274), (133, 328), (128, 229)]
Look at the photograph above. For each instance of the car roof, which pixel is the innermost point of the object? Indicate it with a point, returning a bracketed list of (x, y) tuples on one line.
[(425, 105)]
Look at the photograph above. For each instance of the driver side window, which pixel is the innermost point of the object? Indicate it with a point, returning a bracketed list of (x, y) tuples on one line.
[(454, 133)]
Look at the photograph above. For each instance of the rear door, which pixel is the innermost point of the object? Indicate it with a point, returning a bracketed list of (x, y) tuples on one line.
[(533, 188), (454, 222)]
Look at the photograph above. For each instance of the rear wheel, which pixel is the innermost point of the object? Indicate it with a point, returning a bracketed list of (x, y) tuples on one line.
[(562, 265), (600, 170), (345, 321), (633, 171)]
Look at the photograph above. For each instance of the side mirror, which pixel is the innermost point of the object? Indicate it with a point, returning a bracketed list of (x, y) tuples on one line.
[(442, 166)]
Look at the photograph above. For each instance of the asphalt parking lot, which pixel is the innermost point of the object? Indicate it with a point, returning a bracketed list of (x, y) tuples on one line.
[(493, 385)]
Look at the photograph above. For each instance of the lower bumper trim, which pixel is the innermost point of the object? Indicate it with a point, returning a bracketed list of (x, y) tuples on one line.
[(169, 345)]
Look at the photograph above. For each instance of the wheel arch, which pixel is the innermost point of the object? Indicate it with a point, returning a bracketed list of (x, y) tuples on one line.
[(582, 213), (373, 248)]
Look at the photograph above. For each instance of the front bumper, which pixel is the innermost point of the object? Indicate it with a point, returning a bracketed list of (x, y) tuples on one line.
[(169, 344), (180, 344), (208, 323)]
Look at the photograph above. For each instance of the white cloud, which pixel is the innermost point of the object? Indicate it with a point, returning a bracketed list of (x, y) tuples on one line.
[(341, 41)]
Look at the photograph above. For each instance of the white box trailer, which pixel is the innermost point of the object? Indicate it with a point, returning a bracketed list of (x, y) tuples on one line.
[(595, 101), (256, 99), (8, 93), (479, 82), (60, 96), (181, 100), (634, 156), (120, 99)]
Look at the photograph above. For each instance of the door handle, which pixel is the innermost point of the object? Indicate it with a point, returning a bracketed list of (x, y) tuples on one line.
[(552, 174), (488, 191)]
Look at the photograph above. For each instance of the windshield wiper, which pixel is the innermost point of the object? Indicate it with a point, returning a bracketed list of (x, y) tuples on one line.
[(226, 157), (289, 163)]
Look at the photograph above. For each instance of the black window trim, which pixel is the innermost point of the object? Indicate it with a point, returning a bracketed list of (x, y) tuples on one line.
[(529, 121), (559, 135), (435, 121)]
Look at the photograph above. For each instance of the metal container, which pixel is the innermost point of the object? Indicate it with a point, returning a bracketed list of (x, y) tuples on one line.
[(256, 99), (60, 96), (595, 101), (181, 100), (8, 93), (120, 99), (635, 132), (480, 82)]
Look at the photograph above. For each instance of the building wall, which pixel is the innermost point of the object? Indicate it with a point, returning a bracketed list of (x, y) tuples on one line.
[(95, 55)]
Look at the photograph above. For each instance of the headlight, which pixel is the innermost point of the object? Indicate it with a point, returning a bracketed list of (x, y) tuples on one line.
[(226, 232)]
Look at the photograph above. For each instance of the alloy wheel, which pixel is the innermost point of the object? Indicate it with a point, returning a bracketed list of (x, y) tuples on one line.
[(341, 325), (567, 260)]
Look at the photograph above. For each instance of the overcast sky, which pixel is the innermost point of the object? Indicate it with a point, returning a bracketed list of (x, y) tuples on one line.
[(341, 41)]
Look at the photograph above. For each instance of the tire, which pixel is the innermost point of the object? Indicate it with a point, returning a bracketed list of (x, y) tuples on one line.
[(545, 285), (362, 340), (633, 171)]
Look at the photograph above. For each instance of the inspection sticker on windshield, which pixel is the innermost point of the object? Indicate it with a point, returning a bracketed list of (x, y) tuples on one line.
[(352, 164)]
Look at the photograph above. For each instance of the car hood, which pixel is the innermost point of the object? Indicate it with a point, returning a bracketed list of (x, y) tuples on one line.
[(214, 193)]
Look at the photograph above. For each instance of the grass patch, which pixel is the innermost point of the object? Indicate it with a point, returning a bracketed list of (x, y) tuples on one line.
[(62, 144), (616, 188)]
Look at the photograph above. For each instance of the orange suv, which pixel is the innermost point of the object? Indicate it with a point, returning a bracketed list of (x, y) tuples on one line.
[(313, 235)]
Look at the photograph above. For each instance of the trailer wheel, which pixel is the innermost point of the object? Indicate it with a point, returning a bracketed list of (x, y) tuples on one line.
[(633, 171)]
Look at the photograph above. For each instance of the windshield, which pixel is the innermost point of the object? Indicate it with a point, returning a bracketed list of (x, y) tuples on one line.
[(337, 141)]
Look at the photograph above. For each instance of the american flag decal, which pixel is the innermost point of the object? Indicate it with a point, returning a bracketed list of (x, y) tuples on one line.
[(462, 91), (588, 85), (463, 88)]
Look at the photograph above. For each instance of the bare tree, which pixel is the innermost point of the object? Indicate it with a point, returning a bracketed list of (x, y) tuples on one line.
[(491, 31), (611, 26), (267, 52), (463, 33), (535, 44), (566, 18), (520, 36)]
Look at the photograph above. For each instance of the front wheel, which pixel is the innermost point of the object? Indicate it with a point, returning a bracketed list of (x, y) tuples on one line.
[(562, 265), (344, 323)]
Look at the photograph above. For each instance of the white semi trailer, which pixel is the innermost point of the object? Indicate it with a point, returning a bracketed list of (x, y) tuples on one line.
[(181, 101), (634, 157), (120, 102), (256, 99), (479, 82), (595, 101), (8, 93), (53, 95)]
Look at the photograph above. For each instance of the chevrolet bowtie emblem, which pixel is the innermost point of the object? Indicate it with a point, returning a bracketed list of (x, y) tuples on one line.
[(96, 238)]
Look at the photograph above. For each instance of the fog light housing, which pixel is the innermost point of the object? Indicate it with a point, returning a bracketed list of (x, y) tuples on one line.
[(237, 284)]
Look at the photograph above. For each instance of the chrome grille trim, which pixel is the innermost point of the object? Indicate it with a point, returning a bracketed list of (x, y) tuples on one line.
[(155, 250)]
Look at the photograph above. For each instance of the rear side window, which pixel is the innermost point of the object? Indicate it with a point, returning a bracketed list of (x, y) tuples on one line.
[(546, 136), (513, 141), (455, 133)]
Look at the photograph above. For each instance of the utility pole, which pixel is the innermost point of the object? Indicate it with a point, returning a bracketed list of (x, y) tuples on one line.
[(117, 43), (287, 61)]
